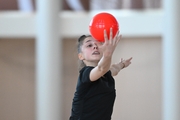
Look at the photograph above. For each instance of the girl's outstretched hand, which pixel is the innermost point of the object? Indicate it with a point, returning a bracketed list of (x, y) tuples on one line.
[(115, 68), (110, 43), (126, 63)]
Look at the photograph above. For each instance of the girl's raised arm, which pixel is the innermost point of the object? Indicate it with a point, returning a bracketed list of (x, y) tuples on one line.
[(105, 62)]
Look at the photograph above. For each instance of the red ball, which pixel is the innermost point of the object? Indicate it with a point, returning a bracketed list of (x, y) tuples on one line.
[(100, 22)]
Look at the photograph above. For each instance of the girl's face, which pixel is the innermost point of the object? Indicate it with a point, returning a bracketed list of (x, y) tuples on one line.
[(91, 50)]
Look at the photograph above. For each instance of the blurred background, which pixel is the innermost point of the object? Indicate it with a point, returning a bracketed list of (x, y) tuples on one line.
[(139, 90)]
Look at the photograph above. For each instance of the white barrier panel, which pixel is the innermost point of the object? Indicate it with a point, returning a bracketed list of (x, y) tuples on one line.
[(132, 23)]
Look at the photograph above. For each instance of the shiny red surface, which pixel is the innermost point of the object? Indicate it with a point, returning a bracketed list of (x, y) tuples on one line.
[(100, 22)]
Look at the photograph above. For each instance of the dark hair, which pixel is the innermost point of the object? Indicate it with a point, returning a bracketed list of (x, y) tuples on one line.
[(79, 44)]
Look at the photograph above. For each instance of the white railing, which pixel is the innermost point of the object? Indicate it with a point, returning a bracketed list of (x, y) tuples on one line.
[(136, 23)]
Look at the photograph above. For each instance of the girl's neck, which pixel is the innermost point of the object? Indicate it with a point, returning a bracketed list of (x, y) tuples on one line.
[(90, 63)]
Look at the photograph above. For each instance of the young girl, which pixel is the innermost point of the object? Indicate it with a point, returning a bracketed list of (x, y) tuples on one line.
[(95, 91)]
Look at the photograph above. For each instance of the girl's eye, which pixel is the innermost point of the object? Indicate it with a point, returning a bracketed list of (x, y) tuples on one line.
[(89, 45)]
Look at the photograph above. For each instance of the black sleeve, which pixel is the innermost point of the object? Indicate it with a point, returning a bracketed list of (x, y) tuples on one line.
[(84, 74)]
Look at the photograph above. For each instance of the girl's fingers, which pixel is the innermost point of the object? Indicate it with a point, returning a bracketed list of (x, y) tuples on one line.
[(111, 35), (117, 33), (118, 39), (129, 59), (105, 36), (121, 60)]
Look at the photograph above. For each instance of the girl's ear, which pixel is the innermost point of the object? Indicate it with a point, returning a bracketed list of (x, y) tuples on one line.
[(80, 56)]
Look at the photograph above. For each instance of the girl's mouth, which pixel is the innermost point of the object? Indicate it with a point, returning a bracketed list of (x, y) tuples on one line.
[(96, 53)]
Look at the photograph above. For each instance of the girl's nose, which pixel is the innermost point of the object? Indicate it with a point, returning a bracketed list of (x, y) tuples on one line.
[(95, 46)]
